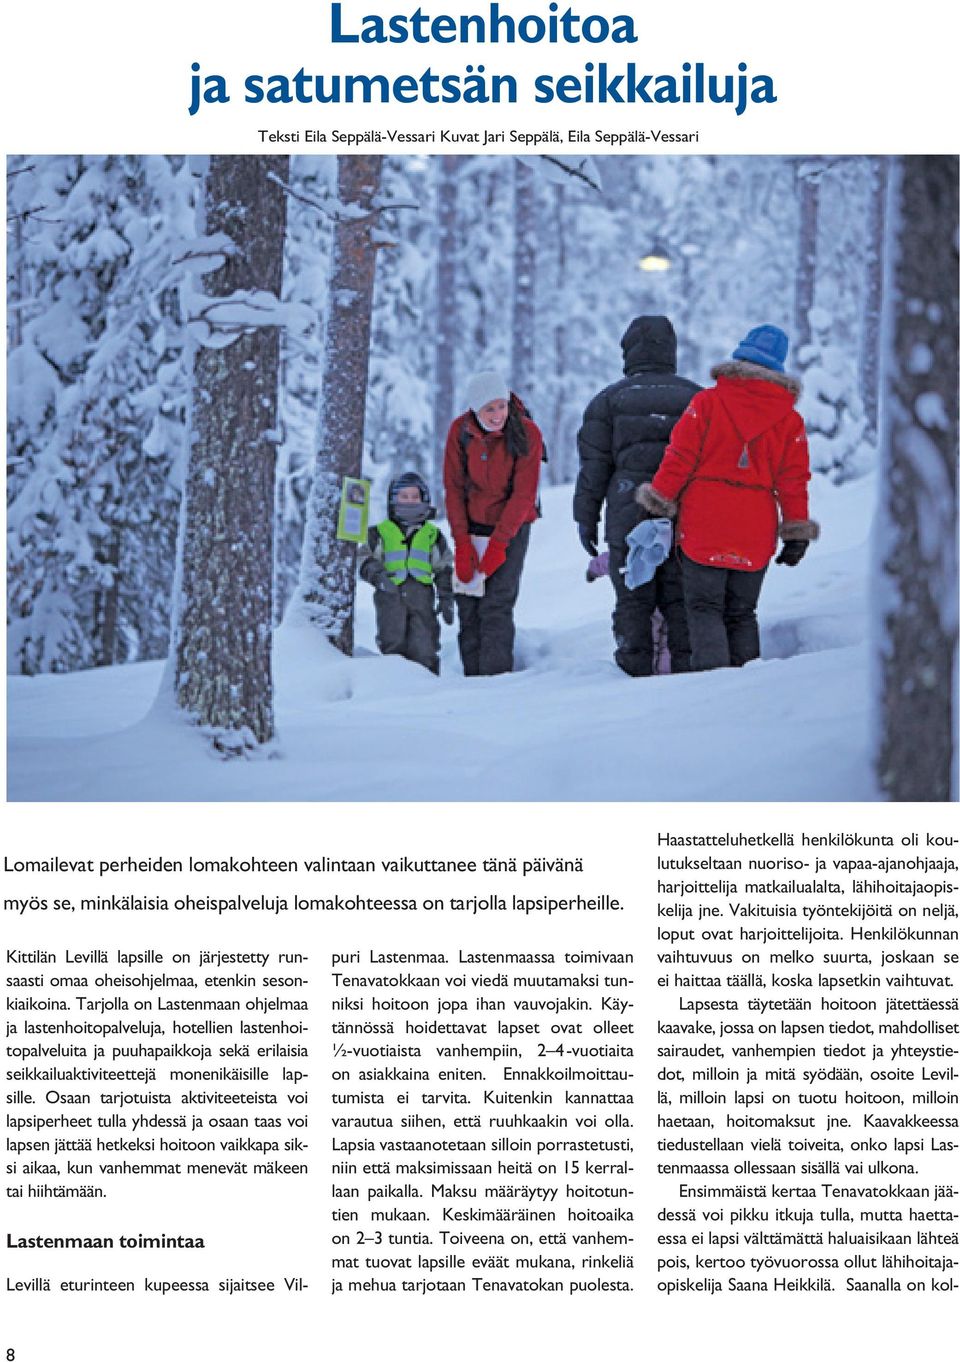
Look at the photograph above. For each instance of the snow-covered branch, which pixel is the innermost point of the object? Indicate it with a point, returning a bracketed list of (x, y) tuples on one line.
[(204, 254), (216, 322), (345, 214), (33, 215)]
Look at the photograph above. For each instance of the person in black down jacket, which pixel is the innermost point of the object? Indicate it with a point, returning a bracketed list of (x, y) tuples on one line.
[(625, 432)]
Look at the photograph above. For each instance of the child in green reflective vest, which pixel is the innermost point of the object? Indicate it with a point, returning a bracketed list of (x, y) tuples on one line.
[(409, 564)]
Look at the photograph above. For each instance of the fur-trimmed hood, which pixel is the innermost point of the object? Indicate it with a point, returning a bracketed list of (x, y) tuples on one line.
[(754, 398), (742, 368)]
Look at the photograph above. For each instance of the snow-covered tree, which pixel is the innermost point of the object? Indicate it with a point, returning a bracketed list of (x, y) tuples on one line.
[(916, 545), (225, 620), (831, 406), (808, 176), (398, 433), (448, 323), (306, 267), (483, 279), (836, 322), (872, 307), (325, 595), (523, 292), (96, 412)]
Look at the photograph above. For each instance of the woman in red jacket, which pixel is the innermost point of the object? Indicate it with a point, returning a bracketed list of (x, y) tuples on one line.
[(491, 468), (737, 467)]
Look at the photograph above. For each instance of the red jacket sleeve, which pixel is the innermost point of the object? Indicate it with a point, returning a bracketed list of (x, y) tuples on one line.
[(682, 454), (520, 506), (454, 484), (793, 473)]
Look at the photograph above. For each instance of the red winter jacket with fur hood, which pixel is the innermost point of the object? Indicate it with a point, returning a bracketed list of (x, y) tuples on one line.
[(737, 466)]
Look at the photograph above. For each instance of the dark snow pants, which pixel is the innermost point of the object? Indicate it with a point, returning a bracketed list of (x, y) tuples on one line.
[(721, 614), (486, 622), (407, 624), (633, 616)]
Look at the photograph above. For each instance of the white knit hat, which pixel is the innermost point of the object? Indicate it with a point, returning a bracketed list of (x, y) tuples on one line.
[(486, 386)]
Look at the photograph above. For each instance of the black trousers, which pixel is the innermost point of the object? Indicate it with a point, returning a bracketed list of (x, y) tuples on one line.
[(721, 614), (486, 622), (633, 616), (407, 624)]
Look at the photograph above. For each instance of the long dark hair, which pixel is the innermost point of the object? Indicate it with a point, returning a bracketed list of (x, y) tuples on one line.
[(514, 432)]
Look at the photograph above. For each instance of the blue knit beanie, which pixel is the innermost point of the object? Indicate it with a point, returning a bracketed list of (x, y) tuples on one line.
[(766, 345)]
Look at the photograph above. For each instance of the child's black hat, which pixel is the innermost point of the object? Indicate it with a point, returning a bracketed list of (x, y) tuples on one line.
[(409, 479)]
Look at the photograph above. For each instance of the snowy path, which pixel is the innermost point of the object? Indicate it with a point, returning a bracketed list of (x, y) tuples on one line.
[(568, 725)]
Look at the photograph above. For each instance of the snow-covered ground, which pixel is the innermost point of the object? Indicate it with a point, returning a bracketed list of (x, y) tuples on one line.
[(567, 725)]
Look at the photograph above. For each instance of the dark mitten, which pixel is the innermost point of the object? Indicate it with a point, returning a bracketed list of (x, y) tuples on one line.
[(588, 538), (386, 584), (446, 609), (792, 551)]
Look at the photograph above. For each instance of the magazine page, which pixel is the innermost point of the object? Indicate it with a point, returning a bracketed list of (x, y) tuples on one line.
[(562, 967)]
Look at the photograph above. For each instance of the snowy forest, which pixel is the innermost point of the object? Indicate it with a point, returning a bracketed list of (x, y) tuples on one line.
[(201, 349)]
